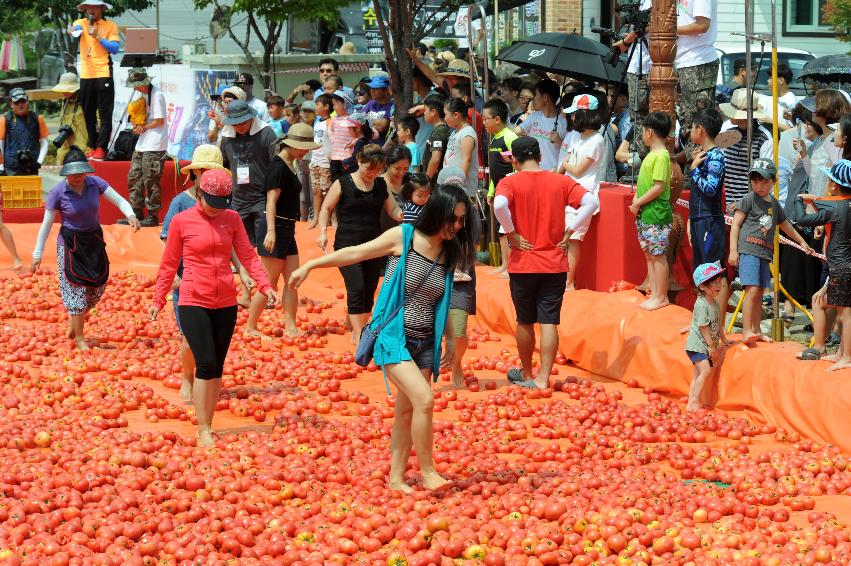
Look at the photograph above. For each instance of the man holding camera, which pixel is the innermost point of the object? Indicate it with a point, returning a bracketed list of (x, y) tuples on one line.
[(23, 137), (98, 41), (72, 122)]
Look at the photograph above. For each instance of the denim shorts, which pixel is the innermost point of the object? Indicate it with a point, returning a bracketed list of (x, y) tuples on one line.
[(696, 357), (754, 271), (422, 352), (175, 296)]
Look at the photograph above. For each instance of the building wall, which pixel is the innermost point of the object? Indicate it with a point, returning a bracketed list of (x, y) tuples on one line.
[(563, 15)]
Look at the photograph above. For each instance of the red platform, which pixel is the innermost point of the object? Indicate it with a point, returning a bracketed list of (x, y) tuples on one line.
[(115, 173)]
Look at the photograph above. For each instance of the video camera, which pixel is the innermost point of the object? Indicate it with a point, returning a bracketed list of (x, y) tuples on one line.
[(632, 16)]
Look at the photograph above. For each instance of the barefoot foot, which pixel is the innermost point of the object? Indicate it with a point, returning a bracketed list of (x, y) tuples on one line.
[(186, 393), (842, 363), (254, 333), (831, 358), (433, 480), (17, 265), (291, 331), (81, 343), (400, 486), (205, 438), (654, 304)]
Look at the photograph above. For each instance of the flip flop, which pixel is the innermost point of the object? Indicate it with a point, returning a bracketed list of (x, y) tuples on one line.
[(811, 354), (515, 376)]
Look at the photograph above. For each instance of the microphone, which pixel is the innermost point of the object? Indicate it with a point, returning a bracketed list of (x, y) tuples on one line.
[(91, 20)]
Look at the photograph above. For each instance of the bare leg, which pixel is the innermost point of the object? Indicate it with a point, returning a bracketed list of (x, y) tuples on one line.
[(9, 242), (819, 327), (400, 443), (187, 360), (698, 382), (415, 384), (651, 281), (525, 335), (77, 321), (205, 393), (549, 345), (290, 298), (358, 322), (461, 343), (574, 249), (750, 310), (317, 206), (504, 250), (274, 267), (659, 279), (844, 360), (724, 299)]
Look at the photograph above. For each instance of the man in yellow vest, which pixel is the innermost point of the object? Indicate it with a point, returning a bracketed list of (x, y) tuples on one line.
[(98, 42)]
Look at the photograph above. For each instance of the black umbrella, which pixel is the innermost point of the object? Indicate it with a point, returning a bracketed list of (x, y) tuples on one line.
[(828, 71), (564, 54)]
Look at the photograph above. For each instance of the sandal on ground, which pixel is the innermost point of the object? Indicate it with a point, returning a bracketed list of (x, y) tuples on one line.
[(811, 354), (515, 376), (832, 340)]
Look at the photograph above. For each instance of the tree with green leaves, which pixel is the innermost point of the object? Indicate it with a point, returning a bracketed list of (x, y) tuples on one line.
[(265, 20), (838, 15), (403, 24)]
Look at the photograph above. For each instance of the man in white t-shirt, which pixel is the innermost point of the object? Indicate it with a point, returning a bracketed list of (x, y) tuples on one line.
[(146, 166), (546, 124), (696, 62)]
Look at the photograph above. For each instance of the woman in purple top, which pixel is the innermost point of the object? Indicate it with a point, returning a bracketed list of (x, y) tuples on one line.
[(81, 259)]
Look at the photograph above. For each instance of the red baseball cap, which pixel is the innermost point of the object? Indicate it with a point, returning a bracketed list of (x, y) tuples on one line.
[(217, 186)]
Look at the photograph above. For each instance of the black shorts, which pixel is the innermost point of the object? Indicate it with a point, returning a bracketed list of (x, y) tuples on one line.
[(251, 222), (285, 244), (839, 286), (537, 297), (708, 241)]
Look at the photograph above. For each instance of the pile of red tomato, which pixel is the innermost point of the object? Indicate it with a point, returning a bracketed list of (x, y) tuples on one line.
[(98, 463)]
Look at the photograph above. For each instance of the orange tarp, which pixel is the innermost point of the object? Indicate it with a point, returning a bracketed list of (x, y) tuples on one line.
[(605, 334)]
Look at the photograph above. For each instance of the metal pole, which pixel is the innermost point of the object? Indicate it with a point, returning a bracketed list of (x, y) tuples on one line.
[(158, 26), (749, 84), (777, 327)]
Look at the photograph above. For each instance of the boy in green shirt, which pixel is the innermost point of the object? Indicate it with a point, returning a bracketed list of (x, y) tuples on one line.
[(652, 207)]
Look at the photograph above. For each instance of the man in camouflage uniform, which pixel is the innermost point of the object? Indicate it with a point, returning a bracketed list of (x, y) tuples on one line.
[(147, 114), (696, 63)]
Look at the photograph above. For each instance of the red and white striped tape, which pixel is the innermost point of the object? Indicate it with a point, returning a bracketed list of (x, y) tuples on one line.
[(783, 239)]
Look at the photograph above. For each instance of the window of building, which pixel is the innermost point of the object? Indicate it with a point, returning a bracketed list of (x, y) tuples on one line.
[(805, 16)]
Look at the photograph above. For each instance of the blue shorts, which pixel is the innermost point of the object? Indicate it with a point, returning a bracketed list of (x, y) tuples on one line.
[(708, 241), (422, 352), (696, 357), (754, 271), (175, 296)]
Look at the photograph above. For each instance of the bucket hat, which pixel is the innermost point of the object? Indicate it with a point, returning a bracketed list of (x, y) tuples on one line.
[(300, 136), (138, 76), (706, 272), (68, 82), (308, 105), (737, 108), (82, 5), (75, 162), (217, 186), (238, 112), (205, 156), (840, 173), (344, 96)]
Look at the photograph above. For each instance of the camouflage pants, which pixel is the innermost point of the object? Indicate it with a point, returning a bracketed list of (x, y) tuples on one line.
[(146, 170), (696, 86), (639, 107)]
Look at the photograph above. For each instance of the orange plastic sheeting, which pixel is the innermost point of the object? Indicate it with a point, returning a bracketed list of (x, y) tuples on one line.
[(605, 334)]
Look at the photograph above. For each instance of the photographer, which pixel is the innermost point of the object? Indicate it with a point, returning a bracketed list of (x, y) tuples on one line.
[(640, 64), (23, 136), (72, 121)]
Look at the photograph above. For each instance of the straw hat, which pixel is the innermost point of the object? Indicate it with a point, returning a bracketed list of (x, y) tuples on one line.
[(205, 156), (447, 56), (300, 136), (68, 82), (737, 108), (456, 68)]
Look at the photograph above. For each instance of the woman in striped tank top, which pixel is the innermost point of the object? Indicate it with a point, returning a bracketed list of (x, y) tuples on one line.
[(419, 278)]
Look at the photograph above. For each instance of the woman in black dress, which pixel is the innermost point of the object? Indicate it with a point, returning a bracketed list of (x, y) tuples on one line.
[(359, 199)]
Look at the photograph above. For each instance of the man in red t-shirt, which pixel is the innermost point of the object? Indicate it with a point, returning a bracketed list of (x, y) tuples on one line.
[(530, 205)]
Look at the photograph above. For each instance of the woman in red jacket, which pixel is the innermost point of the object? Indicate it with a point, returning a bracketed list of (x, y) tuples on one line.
[(204, 236)]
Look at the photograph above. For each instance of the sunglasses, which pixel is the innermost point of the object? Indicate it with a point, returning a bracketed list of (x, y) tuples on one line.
[(327, 70)]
